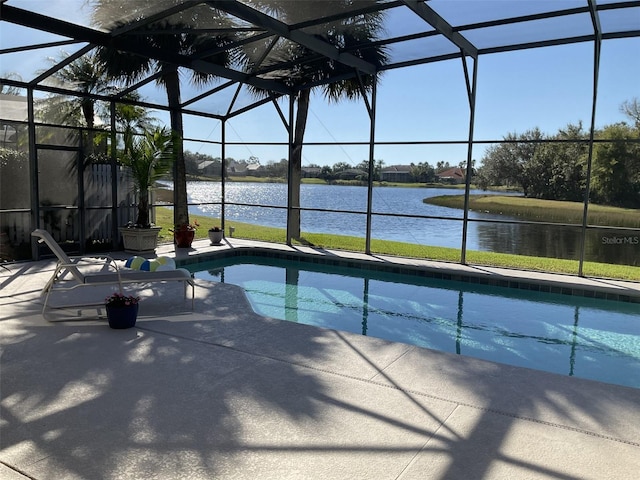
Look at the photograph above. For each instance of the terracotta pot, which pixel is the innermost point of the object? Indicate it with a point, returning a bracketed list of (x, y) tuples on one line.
[(183, 238)]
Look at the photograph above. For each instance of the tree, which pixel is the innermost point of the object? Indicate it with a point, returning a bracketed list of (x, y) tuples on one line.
[(277, 169), (441, 166), (504, 163), (340, 167), (631, 108), (352, 34), (131, 119), (616, 167), (10, 89), (87, 75), (149, 158), (176, 34), (326, 173), (377, 167), (423, 172), (566, 159), (202, 164)]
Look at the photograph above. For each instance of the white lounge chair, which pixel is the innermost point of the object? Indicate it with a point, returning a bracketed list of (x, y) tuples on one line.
[(91, 271)]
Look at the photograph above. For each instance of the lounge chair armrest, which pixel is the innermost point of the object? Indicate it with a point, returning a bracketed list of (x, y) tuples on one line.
[(81, 266), (91, 260)]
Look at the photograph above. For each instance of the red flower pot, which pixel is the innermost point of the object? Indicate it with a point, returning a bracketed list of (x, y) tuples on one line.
[(183, 237)]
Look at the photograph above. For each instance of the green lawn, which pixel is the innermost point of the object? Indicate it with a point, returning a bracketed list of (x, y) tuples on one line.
[(164, 218), (535, 209)]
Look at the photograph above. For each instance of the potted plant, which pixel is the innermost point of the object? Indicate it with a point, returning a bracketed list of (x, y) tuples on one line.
[(184, 234), (122, 310), (149, 158), (215, 235)]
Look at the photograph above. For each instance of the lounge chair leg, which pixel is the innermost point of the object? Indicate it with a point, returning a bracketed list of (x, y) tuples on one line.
[(46, 300)]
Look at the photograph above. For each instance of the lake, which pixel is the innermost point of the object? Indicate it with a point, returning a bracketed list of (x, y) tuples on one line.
[(609, 246)]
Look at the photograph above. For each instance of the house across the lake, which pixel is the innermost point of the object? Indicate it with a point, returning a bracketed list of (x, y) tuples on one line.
[(353, 174), (454, 175), (396, 173), (311, 172)]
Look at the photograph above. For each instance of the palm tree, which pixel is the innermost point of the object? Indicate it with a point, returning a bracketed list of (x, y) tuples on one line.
[(174, 35), (10, 89), (86, 75), (349, 32), (131, 118), (149, 158)]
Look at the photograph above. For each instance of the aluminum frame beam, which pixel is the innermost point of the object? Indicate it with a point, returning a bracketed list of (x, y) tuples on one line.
[(430, 16), (283, 30), (59, 27)]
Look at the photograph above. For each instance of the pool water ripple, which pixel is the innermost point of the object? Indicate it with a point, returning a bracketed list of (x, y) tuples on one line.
[(577, 336)]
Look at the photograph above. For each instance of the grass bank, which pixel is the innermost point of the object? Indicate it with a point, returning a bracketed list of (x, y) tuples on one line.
[(164, 218), (535, 209)]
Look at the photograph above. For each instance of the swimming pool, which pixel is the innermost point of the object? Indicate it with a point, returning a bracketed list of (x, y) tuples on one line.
[(571, 335)]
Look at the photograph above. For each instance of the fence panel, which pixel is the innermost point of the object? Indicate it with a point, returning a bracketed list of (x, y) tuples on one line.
[(99, 200)]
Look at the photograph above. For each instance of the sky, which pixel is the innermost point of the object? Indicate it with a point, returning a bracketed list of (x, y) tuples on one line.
[(547, 88)]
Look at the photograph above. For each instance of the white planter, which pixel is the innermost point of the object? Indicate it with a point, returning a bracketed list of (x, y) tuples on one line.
[(140, 240), (215, 237)]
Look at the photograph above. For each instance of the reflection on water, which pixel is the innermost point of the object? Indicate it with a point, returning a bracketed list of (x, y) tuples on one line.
[(560, 242), (578, 336), (446, 231)]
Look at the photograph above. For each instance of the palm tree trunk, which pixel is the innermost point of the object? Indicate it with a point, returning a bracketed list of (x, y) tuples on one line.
[(88, 113), (143, 208), (296, 163), (180, 207)]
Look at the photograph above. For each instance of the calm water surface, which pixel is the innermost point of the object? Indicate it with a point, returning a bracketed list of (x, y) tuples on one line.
[(446, 231), (577, 336)]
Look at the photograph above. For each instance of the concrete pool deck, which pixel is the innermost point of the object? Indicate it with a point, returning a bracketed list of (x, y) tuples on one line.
[(220, 392)]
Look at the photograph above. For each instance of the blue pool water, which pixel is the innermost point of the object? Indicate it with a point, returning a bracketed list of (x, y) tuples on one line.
[(572, 335)]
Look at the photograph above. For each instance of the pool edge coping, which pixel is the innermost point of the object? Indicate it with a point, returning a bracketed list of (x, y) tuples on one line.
[(545, 282)]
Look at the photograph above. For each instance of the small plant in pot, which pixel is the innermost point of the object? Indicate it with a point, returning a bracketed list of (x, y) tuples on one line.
[(122, 310), (184, 234), (149, 158), (215, 235)]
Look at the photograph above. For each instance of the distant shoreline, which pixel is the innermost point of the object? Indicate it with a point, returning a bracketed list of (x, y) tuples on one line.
[(355, 183), (536, 209)]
